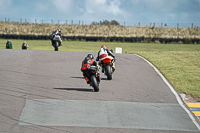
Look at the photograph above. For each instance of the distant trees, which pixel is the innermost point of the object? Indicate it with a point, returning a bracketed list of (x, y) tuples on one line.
[(106, 22)]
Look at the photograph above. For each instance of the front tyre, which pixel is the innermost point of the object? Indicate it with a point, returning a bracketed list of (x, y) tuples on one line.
[(94, 83), (24, 48), (108, 72), (56, 46)]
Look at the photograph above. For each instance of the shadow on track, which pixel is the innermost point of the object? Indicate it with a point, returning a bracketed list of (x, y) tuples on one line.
[(78, 77), (103, 78), (74, 89), (83, 78)]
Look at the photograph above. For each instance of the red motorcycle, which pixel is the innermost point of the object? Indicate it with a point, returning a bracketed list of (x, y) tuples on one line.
[(107, 63)]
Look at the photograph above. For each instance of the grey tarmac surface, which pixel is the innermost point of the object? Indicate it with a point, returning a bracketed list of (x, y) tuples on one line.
[(44, 91)]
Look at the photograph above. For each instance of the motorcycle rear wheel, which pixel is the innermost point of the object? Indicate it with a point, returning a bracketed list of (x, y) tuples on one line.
[(95, 85), (108, 72)]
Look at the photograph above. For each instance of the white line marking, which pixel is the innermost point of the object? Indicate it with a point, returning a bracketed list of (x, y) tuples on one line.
[(173, 91)]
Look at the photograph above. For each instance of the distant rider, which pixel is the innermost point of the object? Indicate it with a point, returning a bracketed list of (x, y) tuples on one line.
[(56, 32), (24, 45), (8, 45), (103, 50), (86, 63)]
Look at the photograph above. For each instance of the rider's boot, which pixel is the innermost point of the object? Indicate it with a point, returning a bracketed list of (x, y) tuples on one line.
[(113, 68), (102, 68)]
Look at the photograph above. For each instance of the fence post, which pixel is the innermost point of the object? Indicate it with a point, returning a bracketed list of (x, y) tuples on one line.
[(72, 22), (35, 21), (139, 24), (58, 21), (154, 24), (5, 19), (150, 24), (42, 21), (124, 23), (161, 25), (192, 25), (8, 19), (51, 21), (79, 22), (25, 20), (82, 22), (20, 20), (177, 25)]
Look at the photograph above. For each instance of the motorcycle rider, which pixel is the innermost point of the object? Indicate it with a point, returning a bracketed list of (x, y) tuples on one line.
[(86, 63), (103, 50), (8, 44), (56, 32), (24, 45)]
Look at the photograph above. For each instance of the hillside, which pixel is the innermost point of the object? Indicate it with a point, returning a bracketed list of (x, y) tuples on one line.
[(99, 30)]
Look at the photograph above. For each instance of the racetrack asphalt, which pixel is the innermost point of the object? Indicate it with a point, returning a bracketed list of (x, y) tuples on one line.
[(44, 91)]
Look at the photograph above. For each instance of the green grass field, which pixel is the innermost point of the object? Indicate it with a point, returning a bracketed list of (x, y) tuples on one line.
[(179, 63)]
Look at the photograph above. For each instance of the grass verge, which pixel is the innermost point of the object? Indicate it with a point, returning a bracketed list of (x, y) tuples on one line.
[(179, 63), (181, 68)]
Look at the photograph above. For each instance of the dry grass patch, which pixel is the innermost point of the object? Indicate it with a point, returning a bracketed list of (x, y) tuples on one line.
[(98, 30)]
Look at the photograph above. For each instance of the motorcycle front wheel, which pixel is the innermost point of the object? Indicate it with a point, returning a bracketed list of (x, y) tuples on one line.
[(56, 46), (94, 83)]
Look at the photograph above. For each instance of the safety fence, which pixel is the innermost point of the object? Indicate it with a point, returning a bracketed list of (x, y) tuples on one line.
[(84, 22)]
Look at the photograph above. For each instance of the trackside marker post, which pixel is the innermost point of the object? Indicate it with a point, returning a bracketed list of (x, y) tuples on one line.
[(118, 50)]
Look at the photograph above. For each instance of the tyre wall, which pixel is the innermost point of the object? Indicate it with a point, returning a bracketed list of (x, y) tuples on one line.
[(105, 39)]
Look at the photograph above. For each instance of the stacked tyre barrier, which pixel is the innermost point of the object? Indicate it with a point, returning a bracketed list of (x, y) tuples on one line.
[(105, 39), (25, 37)]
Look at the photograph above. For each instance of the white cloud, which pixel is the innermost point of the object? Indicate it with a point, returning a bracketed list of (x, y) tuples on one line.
[(65, 6), (120, 10), (59, 6), (100, 1), (104, 9), (114, 8)]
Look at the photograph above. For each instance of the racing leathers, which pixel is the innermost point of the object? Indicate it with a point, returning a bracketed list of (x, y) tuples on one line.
[(55, 32), (24, 45), (86, 63), (8, 45)]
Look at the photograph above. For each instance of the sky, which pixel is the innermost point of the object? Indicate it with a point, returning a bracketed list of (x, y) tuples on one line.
[(86, 11)]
